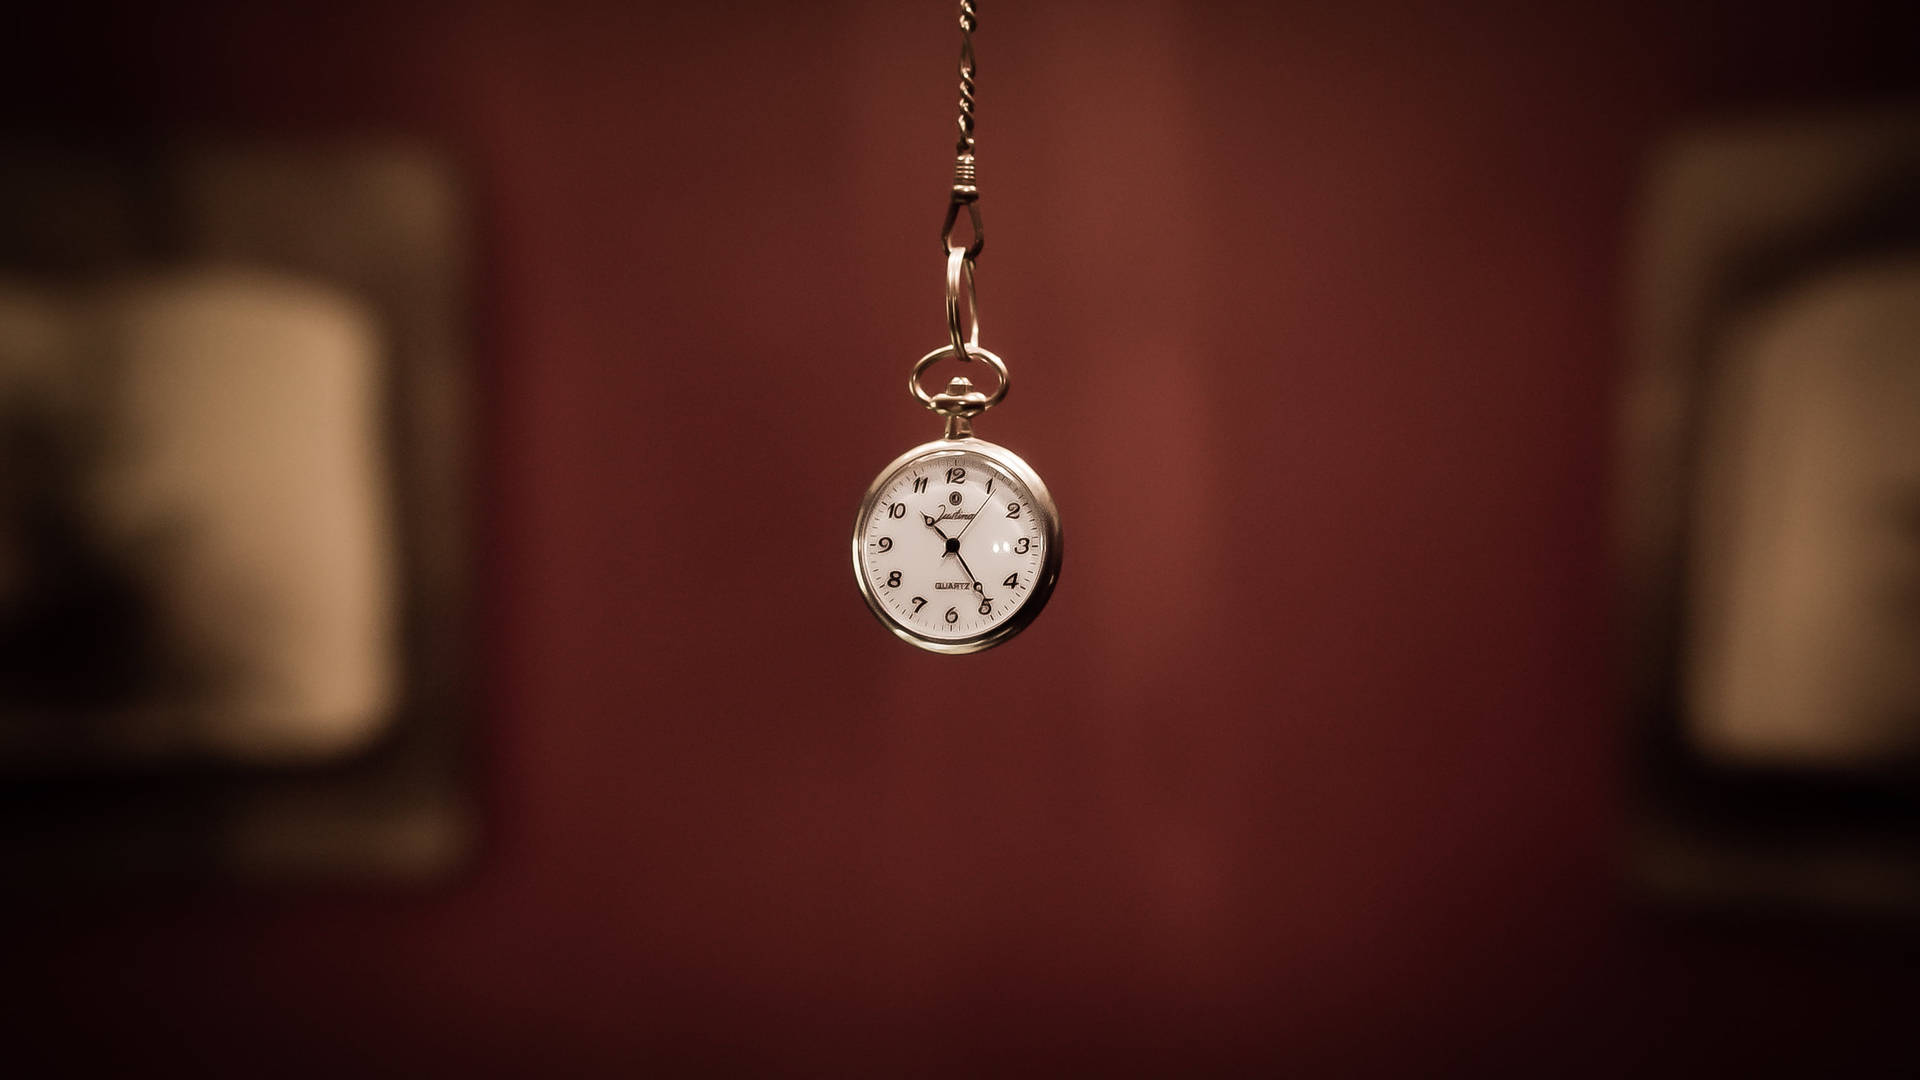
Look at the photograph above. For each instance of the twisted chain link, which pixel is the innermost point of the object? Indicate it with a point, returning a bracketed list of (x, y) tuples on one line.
[(968, 20), (966, 194), (966, 191)]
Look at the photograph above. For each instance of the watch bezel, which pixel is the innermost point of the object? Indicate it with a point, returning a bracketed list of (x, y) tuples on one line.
[(1044, 580)]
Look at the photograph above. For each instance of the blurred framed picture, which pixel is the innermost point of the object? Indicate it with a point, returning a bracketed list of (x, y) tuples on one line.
[(1771, 518), (233, 505)]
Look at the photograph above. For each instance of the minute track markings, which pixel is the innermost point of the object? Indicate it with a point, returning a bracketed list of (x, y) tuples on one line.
[(997, 555)]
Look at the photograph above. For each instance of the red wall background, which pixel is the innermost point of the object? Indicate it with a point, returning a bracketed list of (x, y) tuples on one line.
[(1314, 314)]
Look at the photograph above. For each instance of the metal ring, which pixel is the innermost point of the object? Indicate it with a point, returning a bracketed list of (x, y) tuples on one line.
[(962, 347), (999, 368)]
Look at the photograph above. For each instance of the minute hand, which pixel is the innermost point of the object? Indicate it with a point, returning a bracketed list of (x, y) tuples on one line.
[(977, 510)]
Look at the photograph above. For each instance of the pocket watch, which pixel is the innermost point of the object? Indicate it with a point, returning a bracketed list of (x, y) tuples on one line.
[(957, 543)]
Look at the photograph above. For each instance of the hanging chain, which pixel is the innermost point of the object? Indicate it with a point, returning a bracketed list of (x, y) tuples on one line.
[(960, 402), (965, 193), (963, 166)]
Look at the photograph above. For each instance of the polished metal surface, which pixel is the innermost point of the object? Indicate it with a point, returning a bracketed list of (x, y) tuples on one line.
[(963, 346), (958, 408)]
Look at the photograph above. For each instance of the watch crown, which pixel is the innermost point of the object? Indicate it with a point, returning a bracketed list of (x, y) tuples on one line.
[(959, 403), (959, 398)]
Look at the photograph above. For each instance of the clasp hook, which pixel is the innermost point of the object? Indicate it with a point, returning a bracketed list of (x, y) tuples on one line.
[(969, 197)]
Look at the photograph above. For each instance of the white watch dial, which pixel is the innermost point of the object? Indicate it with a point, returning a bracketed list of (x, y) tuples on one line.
[(953, 545)]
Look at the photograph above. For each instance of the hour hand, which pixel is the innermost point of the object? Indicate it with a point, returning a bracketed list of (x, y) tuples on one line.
[(929, 519)]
